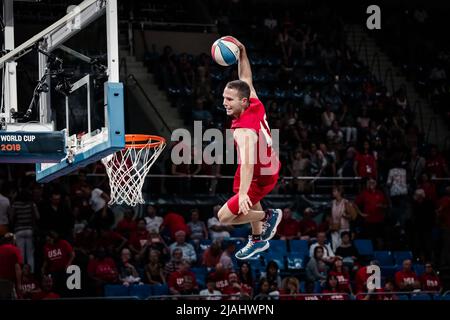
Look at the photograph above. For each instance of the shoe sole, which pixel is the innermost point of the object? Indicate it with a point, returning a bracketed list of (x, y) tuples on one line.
[(266, 246), (274, 230)]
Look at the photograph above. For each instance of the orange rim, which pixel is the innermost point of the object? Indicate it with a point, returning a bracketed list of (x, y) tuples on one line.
[(140, 141)]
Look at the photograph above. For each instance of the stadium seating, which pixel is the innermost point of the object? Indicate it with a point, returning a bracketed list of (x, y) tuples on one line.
[(141, 291), (300, 246), (400, 256), (160, 289), (364, 247), (385, 258), (420, 296), (114, 290)]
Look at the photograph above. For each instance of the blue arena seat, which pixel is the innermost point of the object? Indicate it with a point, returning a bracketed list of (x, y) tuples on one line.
[(160, 289), (115, 290), (403, 297), (421, 296), (240, 232), (295, 261), (385, 258), (142, 291), (419, 269), (299, 246), (200, 275), (278, 246), (400, 256), (388, 272), (364, 247)]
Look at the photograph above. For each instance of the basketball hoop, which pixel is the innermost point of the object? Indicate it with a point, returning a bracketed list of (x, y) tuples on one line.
[(128, 167)]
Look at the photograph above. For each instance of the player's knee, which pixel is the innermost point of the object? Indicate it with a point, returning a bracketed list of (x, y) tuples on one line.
[(224, 216)]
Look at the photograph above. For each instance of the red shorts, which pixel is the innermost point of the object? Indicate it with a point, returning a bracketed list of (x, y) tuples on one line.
[(259, 188)]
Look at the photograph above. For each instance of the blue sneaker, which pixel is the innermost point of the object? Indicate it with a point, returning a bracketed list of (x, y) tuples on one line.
[(269, 228), (252, 248)]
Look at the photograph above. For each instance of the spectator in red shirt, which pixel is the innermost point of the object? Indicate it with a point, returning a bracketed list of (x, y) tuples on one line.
[(372, 203), (47, 290), (29, 284), (183, 281), (333, 290), (174, 222), (220, 277), (10, 267), (429, 187), (112, 241), (341, 274), (58, 255), (102, 270), (308, 227), (236, 289), (365, 163), (361, 278), (406, 279), (139, 238), (211, 256), (429, 280), (289, 228), (435, 164), (127, 225), (443, 214)]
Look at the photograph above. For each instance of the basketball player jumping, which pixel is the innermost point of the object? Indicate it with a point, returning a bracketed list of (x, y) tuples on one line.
[(257, 172)]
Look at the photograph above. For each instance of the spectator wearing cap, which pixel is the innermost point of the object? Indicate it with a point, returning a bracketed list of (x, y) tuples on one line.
[(183, 281), (406, 279), (429, 280), (10, 268), (308, 227), (328, 253), (217, 229), (289, 228), (423, 220), (187, 248)]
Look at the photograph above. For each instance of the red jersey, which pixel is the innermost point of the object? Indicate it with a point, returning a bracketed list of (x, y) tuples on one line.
[(28, 286), (288, 228), (178, 278), (45, 295), (126, 227), (221, 280), (58, 255), (430, 282), (308, 227), (343, 280), (103, 269), (407, 277), (254, 118), (361, 280), (9, 256), (366, 165), (110, 239), (139, 238), (369, 201)]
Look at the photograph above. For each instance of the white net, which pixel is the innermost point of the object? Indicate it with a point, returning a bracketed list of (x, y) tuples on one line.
[(127, 169)]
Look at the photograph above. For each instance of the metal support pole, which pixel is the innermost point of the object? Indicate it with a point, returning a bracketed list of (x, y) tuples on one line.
[(10, 75), (112, 40)]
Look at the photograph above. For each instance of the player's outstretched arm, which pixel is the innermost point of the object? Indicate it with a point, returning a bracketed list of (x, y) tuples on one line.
[(244, 69)]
